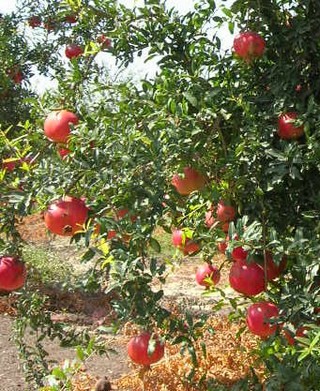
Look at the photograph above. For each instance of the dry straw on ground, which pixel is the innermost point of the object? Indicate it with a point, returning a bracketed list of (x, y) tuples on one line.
[(228, 360)]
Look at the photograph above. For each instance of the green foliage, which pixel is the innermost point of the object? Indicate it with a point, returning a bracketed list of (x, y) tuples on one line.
[(204, 108)]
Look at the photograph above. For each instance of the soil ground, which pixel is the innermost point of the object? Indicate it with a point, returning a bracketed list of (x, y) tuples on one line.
[(11, 374)]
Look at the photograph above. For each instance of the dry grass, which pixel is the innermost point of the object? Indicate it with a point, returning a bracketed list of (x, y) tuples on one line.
[(227, 361)]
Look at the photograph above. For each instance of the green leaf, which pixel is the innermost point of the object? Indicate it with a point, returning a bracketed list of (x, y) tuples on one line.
[(191, 99), (155, 245), (80, 353), (59, 374)]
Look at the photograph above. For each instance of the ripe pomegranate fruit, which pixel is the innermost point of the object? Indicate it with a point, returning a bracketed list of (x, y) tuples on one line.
[(206, 272), (259, 316), (286, 129), (66, 216), (13, 273), (222, 246), (209, 218), (142, 352), (49, 25), (191, 181), (239, 254), (247, 278), (15, 74), (34, 21), (57, 125), (73, 51), (10, 164), (119, 215), (71, 18), (300, 332), (63, 152), (272, 269), (104, 41), (225, 212), (186, 245), (249, 45)]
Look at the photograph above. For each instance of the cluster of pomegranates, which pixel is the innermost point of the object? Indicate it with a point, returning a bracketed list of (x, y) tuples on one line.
[(220, 216), (248, 276), (49, 24), (72, 50)]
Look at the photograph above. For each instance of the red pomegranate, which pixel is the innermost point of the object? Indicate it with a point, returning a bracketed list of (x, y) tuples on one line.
[(57, 125), (259, 316), (142, 352), (10, 164), (225, 212), (66, 216), (63, 152), (286, 128), (191, 181), (222, 246), (272, 269), (186, 245), (247, 278), (249, 45), (300, 332), (119, 215), (34, 21), (49, 25), (209, 218), (207, 272), (15, 74), (190, 247), (104, 41), (72, 18), (239, 254), (13, 273), (73, 51)]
